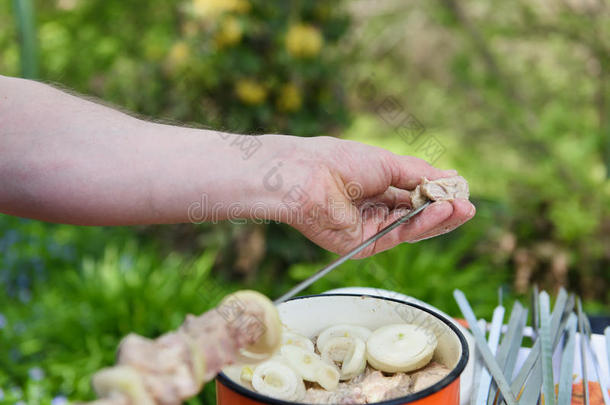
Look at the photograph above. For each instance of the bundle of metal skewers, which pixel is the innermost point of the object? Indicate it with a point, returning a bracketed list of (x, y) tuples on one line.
[(545, 372)]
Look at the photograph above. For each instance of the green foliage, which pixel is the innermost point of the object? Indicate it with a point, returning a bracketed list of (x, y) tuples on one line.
[(247, 66), (259, 66)]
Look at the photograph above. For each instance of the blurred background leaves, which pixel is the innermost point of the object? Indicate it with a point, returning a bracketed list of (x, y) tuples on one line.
[(515, 95)]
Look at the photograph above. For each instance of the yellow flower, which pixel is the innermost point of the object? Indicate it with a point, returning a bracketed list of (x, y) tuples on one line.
[(229, 33), (289, 98), (214, 8), (304, 41), (178, 55), (250, 92)]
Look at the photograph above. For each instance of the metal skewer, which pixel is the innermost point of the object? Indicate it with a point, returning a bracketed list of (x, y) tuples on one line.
[(481, 344), (532, 366), (559, 318), (564, 397), (509, 348), (535, 311), (593, 354), (607, 334), (546, 349), (493, 341), (478, 364), (583, 351), (324, 271)]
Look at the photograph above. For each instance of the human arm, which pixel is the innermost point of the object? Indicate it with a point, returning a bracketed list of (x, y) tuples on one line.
[(69, 160)]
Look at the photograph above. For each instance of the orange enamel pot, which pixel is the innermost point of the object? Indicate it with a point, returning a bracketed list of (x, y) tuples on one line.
[(309, 315)]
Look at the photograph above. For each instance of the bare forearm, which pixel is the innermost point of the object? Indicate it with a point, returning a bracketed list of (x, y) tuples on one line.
[(64, 159), (68, 160)]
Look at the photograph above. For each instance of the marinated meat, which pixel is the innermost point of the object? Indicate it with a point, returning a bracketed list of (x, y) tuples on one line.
[(377, 387), (345, 394), (446, 189), (220, 337), (167, 367), (373, 386), (431, 374)]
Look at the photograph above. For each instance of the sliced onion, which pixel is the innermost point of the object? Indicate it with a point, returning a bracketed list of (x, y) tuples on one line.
[(349, 351), (400, 347), (304, 362), (344, 330), (121, 380), (277, 380), (292, 338)]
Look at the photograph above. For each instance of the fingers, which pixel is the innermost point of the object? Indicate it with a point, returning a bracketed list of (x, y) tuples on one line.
[(368, 171), (463, 211), (407, 171), (431, 218), (439, 218), (392, 198)]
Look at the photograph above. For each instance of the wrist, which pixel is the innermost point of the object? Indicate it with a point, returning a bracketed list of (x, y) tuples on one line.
[(278, 185), (249, 177)]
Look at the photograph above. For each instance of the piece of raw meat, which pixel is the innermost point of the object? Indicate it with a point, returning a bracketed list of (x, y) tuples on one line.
[(446, 189)]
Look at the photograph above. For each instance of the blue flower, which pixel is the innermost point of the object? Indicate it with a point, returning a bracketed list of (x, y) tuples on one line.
[(36, 373), (59, 400)]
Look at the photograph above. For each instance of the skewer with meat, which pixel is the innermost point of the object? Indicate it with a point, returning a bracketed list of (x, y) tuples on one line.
[(174, 367), (444, 189)]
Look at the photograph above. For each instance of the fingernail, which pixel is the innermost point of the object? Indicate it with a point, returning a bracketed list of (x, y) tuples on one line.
[(450, 172)]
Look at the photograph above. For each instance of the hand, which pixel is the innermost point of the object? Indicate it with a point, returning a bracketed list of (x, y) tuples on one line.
[(350, 191), (72, 161)]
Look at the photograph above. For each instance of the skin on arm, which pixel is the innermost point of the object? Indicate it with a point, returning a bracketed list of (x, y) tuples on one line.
[(69, 160)]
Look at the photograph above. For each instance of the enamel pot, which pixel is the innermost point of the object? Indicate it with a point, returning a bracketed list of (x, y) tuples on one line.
[(309, 315)]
